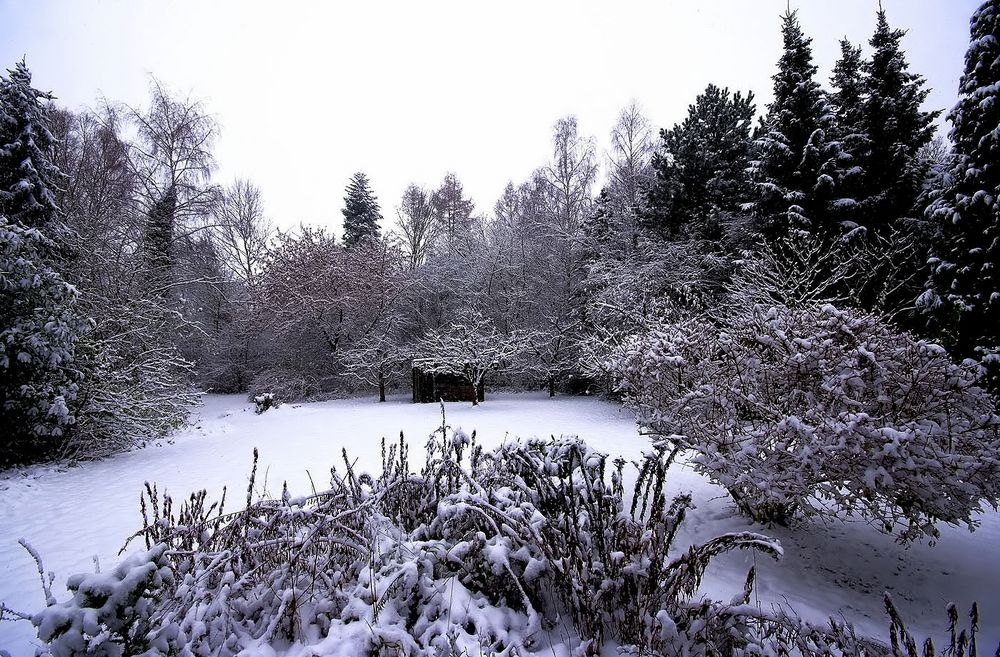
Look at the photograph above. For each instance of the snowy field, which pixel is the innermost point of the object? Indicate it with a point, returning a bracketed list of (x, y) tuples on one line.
[(71, 515)]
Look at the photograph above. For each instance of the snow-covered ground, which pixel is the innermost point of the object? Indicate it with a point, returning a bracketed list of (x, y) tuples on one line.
[(71, 515)]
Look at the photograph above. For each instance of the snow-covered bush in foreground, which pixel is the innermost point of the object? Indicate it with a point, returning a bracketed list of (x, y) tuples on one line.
[(528, 549), (815, 410)]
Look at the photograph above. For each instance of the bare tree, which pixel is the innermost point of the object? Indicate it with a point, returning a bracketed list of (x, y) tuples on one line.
[(172, 156), (324, 300), (453, 211), (377, 358), (570, 175), (507, 210), (798, 270), (507, 243), (417, 224), (97, 191), (470, 350), (632, 148), (555, 202), (242, 231), (858, 268)]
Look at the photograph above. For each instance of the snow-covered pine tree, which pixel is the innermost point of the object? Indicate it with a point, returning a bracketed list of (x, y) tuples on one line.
[(963, 294), (598, 228), (847, 101), (795, 165), (848, 86), (39, 325), (361, 210), (896, 128), (701, 167), (39, 330), (28, 177)]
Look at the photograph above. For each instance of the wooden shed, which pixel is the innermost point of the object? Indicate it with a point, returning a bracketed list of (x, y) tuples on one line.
[(430, 386)]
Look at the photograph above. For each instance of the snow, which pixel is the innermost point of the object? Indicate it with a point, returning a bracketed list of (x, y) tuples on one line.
[(70, 515)]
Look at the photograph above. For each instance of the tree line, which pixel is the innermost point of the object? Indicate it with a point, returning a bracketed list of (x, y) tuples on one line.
[(131, 278)]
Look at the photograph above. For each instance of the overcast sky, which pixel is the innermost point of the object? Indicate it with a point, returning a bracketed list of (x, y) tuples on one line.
[(307, 93)]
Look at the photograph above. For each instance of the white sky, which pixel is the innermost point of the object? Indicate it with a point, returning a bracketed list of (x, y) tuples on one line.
[(308, 92)]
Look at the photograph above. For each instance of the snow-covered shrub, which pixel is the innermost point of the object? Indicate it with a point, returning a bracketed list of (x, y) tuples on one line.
[(961, 642), (877, 271), (263, 402), (109, 614), (503, 552), (821, 411), (139, 388)]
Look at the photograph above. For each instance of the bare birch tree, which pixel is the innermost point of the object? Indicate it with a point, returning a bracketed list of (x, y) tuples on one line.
[(241, 231), (629, 161)]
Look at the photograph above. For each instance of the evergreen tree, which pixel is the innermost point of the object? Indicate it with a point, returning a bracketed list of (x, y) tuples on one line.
[(598, 228), (361, 211), (39, 325), (848, 88), (28, 177), (847, 101), (158, 241), (700, 170), (896, 129), (39, 331), (963, 295), (796, 162)]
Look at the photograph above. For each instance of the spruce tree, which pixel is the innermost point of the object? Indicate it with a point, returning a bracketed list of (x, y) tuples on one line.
[(896, 129), (700, 170), (848, 88), (361, 211), (597, 228), (158, 242), (847, 102), (28, 178), (39, 323), (39, 331), (963, 295), (795, 166)]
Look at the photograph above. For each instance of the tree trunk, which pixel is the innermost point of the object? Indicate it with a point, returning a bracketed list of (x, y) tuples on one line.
[(552, 386), (381, 387)]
